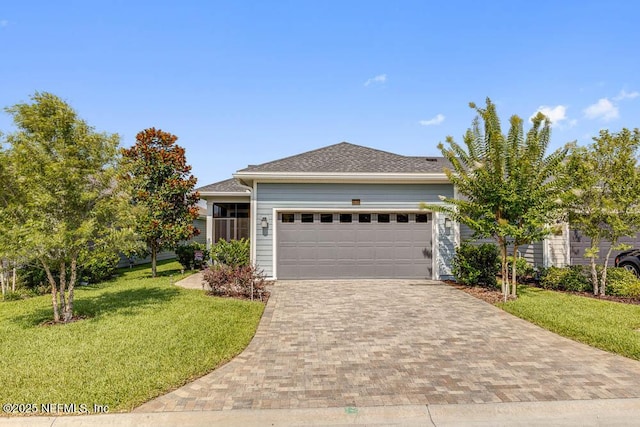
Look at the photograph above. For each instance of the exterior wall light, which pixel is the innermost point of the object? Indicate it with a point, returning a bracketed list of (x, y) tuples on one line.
[(264, 223), (447, 223)]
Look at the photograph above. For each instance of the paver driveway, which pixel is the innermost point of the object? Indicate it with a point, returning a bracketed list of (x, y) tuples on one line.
[(369, 343)]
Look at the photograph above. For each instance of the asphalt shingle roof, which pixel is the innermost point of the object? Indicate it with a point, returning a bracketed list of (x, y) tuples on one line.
[(351, 158), (227, 186)]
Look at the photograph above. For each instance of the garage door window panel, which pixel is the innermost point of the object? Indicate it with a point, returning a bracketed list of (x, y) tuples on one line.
[(346, 218), (364, 218), (288, 218), (384, 218), (422, 218), (326, 218)]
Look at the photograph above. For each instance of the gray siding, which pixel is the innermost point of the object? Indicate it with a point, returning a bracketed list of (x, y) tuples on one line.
[(533, 253), (333, 197), (580, 243), (124, 261), (200, 224)]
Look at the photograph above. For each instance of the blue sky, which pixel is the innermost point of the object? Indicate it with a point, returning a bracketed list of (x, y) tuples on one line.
[(248, 82)]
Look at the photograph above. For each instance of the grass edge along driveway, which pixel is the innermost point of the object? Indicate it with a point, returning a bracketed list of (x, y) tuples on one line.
[(609, 326), (142, 337)]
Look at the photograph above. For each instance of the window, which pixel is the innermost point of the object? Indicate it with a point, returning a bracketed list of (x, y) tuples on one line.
[(383, 217), (230, 221), (345, 218), (364, 217), (306, 217), (422, 217), (287, 217), (326, 217), (402, 217)]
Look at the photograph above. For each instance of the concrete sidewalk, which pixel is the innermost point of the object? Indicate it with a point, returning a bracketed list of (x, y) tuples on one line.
[(609, 412), (193, 282)]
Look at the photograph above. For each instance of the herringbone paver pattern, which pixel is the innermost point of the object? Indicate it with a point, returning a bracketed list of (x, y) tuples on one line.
[(369, 343)]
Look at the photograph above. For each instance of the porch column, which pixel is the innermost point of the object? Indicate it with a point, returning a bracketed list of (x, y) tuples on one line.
[(209, 232)]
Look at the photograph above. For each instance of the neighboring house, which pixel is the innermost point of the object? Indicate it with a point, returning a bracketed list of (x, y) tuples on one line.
[(554, 250), (342, 211)]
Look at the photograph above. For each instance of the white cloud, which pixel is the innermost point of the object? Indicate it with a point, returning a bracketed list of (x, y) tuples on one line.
[(439, 118), (603, 109), (381, 78), (626, 95), (555, 114)]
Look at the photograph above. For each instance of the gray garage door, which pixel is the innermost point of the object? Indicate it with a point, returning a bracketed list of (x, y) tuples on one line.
[(354, 245)]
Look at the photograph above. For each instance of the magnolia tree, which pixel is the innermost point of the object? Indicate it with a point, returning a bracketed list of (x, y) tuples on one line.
[(63, 200), (162, 191), (510, 188), (604, 200)]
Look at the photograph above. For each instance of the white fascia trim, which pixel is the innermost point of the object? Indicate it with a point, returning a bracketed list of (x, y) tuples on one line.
[(456, 225), (225, 193), (252, 227), (365, 209), (340, 177), (435, 249), (274, 255)]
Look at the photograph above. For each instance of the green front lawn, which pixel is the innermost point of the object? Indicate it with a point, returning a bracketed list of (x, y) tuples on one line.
[(142, 337), (610, 326)]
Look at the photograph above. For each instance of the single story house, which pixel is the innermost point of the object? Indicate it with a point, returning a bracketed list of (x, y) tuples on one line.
[(346, 211)]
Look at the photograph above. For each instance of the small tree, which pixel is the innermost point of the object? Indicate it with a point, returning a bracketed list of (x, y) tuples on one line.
[(604, 201), (508, 185), (65, 201), (164, 203)]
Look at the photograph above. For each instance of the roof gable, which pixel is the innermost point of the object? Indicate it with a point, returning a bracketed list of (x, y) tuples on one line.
[(350, 158), (227, 186)]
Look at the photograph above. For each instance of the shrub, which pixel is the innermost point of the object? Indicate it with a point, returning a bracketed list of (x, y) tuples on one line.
[(234, 253), (94, 266), (186, 255), (12, 296), (571, 278), (238, 282), (476, 265), (523, 268), (33, 276), (622, 282), (20, 293), (99, 265)]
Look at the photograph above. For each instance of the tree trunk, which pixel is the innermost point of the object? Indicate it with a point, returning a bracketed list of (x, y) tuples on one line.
[(154, 254), (594, 275), (54, 289), (603, 279), (13, 280), (514, 281), (63, 288), (503, 267), (68, 312), (2, 277)]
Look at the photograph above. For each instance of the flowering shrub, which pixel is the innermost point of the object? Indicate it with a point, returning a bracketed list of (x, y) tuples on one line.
[(237, 282)]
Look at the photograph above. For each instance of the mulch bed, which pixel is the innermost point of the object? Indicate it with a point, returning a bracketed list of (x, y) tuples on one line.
[(493, 296)]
